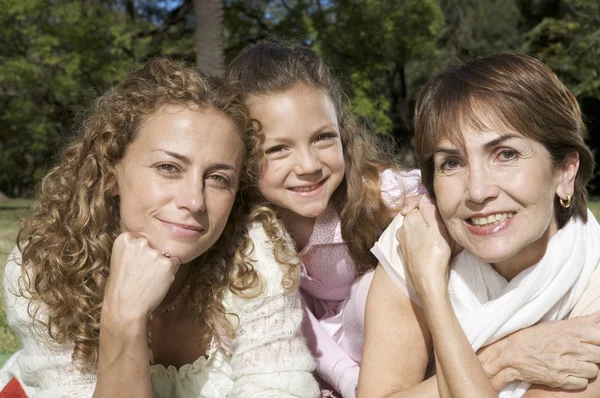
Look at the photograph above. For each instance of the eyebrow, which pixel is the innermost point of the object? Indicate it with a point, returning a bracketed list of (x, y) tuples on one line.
[(487, 146), (220, 166), (176, 155), (188, 161), (499, 140)]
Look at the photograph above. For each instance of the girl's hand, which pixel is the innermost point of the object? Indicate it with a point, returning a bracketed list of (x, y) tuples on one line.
[(424, 245), (139, 278)]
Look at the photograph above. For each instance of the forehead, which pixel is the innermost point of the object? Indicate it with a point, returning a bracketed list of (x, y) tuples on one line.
[(473, 120), (298, 106), (191, 131)]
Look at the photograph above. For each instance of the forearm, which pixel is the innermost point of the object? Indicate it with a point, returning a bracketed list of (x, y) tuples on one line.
[(123, 359), (333, 364), (425, 389), (462, 370)]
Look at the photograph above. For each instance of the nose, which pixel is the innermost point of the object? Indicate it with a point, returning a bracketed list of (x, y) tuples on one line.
[(481, 185), (307, 162), (191, 195)]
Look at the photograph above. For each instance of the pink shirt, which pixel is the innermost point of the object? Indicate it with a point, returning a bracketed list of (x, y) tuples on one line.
[(329, 269), (334, 297)]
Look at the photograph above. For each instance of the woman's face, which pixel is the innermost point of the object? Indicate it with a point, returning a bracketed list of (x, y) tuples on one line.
[(496, 196), (178, 179)]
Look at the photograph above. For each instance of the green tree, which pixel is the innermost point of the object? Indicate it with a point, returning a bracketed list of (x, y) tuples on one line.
[(569, 42), (53, 61)]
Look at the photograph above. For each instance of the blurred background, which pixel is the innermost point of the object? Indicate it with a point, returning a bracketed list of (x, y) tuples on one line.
[(56, 56)]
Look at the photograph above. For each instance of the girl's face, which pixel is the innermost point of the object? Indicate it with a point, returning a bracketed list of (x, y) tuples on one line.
[(303, 149), (178, 180), (496, 196)]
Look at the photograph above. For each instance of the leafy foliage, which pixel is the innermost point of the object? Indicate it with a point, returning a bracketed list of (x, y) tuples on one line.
[(56, 56)]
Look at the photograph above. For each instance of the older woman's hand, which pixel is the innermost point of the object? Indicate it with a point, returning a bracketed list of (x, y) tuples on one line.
[(140, 277), (424, 244), (560, 354)]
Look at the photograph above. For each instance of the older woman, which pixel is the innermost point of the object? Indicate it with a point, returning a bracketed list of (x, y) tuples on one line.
[(121, 285), (500, 142)]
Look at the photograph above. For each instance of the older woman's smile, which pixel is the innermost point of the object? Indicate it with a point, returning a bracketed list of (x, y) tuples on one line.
[(489, 224)]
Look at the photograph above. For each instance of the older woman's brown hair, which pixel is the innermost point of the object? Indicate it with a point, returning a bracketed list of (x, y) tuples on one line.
[(67, 239), (506, 91)]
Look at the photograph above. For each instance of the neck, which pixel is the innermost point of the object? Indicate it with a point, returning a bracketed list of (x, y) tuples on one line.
[(299, 227)]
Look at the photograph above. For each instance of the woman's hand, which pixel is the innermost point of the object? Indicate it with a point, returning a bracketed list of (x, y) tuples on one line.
[(139, 279), (412, 202), (558, 354), (424, 245)]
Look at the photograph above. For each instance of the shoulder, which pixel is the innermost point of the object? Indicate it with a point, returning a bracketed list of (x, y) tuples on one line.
[(16, 304), (396, 184), (271, 268), (590, 299)]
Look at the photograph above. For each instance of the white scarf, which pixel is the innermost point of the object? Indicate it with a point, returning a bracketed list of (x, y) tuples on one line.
[(488, 307)]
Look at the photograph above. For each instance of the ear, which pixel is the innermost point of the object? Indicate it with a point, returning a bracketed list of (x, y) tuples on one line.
[(566, 173)]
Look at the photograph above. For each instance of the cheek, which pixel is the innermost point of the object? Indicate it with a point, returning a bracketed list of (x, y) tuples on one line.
[(448, 197), (270, 179)]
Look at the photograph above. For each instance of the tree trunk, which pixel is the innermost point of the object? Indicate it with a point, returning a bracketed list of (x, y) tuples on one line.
[(208, 15)]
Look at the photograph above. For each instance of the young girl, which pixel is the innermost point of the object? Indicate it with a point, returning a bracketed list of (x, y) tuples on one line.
[(335, 187)]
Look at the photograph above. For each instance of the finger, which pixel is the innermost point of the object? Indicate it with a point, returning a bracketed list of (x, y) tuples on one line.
[(589, 333), (594, 317), (586, 370), (428, 210), (573, 383), (410, 203), (589, 353), (503, 378), (413, 221)]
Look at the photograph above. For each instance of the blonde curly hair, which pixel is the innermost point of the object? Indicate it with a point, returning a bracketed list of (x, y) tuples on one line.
[(66, 240), (278, 66)]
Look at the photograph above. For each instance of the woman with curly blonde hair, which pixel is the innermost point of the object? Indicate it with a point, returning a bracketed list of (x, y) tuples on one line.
[(121, 284)]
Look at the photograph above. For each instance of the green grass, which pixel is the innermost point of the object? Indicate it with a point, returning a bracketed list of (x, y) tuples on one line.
[(10, 211)]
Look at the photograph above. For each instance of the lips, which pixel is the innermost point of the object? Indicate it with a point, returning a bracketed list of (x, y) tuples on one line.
[(492, 219), (308, 188), (183, 230)]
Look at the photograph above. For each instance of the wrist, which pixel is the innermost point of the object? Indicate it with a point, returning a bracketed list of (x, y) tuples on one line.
[(120, 319)]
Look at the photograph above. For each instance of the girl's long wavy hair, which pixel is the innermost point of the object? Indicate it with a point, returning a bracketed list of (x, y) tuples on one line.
[(66, 240), (271, 67)]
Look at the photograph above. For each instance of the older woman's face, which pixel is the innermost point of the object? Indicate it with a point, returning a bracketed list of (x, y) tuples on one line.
[(497, 197), (178, 180)]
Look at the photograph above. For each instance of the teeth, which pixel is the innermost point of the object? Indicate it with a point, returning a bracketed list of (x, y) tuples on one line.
[(305, 189), (491, 219)]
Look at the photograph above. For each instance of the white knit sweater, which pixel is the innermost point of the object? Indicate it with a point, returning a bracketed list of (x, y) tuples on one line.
[(269, 359)]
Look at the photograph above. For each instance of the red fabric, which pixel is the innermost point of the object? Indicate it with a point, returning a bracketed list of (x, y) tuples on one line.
[(13, 390)]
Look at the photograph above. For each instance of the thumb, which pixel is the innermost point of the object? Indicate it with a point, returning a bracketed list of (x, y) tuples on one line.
[(594, 317)]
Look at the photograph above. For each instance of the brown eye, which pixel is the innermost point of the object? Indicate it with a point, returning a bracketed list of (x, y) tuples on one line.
[(219, 180), (275, 149), (508, 154), (167, 168)]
